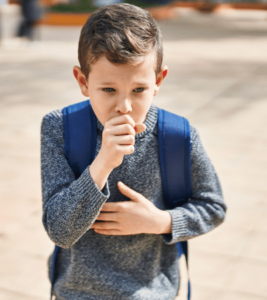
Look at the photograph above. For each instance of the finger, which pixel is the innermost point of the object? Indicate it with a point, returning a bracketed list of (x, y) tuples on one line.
[(105, 216), (124, 140), (128, 192), (140, 127), (96, 222), (110, 207), (108, 232), (125, 149), (106, 226), (122, 129), (125, 119)]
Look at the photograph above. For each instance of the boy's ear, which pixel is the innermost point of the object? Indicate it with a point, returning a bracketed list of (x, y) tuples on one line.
[(77, 72), (161, 76)]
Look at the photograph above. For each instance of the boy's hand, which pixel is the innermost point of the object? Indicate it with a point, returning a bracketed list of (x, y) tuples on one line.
[(118, 139), (132, 217)]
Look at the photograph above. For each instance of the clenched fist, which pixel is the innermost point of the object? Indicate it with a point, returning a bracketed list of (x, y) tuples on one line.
[(118, 139)]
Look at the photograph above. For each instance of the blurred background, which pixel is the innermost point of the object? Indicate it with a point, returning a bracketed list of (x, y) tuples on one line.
[(217, 57)]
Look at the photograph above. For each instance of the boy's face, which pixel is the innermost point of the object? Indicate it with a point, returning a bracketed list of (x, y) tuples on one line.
[(115, 90)]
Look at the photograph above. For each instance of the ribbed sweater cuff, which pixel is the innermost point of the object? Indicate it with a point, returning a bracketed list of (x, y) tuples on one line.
[(179, 227), (86, 184)]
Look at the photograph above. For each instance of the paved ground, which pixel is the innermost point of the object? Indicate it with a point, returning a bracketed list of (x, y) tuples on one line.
[(217, 79)]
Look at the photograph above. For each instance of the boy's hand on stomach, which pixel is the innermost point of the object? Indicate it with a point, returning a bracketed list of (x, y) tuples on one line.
[(118, 139), (132, 217)]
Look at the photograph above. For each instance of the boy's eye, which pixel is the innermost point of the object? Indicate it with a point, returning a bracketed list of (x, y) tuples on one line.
[(108, 90), (139, 90)]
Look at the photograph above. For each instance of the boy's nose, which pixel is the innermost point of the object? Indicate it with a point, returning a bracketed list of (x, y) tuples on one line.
[(124, 106)]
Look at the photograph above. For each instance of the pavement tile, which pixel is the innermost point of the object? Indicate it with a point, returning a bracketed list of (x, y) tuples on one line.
[(22, 205), (14, 295), (224, 240), (209, 268), (6, 221), (234, 241), (249, 276), (234, 295), (231, 157), (17, 183), (246, 179), (23, 272), (246, 208), (191, 91), (255, 246), (200, 292), (20, 148), (37, 242)]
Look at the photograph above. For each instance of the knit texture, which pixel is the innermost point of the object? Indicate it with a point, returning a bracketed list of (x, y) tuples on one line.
[(92, 266)]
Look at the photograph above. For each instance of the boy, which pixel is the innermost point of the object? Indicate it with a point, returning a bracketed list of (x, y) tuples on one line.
[(116, 239)]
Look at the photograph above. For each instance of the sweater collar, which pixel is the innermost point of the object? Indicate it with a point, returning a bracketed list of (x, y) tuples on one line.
[(150, 122)]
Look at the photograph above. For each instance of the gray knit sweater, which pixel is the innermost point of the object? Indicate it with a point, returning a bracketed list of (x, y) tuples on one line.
[(92, 266)]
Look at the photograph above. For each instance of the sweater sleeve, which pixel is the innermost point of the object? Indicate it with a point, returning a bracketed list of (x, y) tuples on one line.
[(206, 209), (70, 206)]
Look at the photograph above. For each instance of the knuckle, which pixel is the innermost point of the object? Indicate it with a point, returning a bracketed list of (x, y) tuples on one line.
[(132, 139), (128, 127), (127, 118), (117, 148), (107, 123), (130, 149), (120, 206), (106, 132)]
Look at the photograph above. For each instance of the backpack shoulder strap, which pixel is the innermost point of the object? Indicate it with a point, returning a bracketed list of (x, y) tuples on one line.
[(174, 152), (80, 135)]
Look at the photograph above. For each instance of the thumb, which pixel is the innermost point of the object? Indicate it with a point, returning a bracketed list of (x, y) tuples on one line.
[(128, 192), (140, 127)]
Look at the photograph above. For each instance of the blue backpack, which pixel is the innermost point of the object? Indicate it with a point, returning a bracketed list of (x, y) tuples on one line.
[(80, 137)]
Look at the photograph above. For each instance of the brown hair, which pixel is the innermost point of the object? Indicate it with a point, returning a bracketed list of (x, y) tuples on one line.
[(121, 32)]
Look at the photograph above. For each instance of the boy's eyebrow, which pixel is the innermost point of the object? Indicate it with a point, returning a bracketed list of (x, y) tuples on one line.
[(140, 83), (135, 82), (107, 83)]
